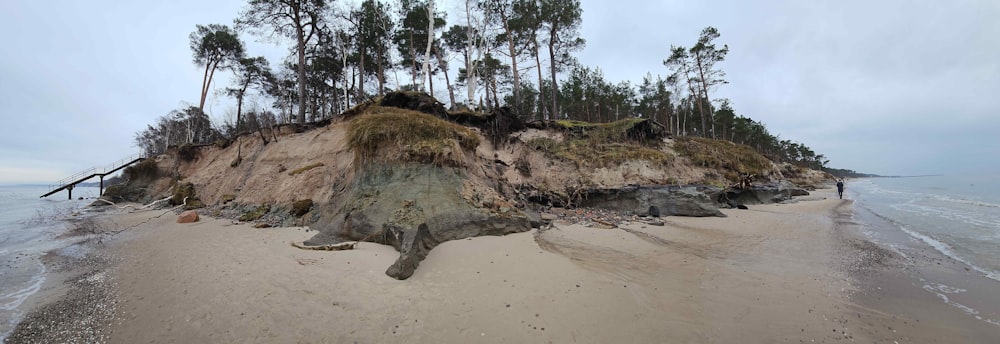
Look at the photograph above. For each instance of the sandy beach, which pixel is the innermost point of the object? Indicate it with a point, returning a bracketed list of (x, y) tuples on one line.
[(774, 273)]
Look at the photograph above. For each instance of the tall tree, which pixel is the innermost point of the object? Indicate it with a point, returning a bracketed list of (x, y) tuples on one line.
[(474, 42), (297, 19), (510, 16), (704, 55), (457, 39), (562, 19), (216, 47), (415, 37), (680, 62), (250, 72), (431, 25), (373, 36)]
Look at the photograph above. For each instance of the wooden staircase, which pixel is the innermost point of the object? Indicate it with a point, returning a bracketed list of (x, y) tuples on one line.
[(69, 182)]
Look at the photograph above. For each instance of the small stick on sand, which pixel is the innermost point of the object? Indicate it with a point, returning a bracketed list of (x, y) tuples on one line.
[(334, 247)]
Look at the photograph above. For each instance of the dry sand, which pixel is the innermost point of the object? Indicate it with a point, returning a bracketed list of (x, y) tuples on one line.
[(774, 273), (763, 275)]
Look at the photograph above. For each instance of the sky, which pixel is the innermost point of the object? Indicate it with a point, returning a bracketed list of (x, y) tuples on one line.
[(892, 87)]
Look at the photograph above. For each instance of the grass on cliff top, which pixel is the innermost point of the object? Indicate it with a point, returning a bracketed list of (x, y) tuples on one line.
[(396, 135), (606, 154), (618, 131), (725, 155)]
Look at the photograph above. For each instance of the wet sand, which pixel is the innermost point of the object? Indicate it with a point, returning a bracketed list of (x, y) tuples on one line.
[(775, 273)]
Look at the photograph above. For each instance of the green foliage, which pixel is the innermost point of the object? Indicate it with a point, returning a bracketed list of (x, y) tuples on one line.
[(300, 20), (217, 47), (397, 135), (301, 207), (305, 168), (256, 213), (725, 155)]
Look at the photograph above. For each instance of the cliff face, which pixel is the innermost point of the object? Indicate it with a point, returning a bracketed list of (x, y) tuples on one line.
[(413, 180)]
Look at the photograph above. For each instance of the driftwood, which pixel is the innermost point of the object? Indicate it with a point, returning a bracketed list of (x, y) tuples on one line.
[(133, 206), (605, 223), (334, 247)]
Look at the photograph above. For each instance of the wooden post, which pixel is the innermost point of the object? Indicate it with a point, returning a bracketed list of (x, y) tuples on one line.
[(100, 192), (70, 189)]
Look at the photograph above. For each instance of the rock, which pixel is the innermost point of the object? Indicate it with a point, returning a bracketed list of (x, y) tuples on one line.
[(536, 219), (654, 211), (549, 217), (262, 225), (412, 208), (188, 216), (766, 194), (668, 200)]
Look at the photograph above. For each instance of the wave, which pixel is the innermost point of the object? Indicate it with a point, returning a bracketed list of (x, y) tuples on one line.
[(983, 224), (947, 251), (936, 290), (14, 299), (946, 198)]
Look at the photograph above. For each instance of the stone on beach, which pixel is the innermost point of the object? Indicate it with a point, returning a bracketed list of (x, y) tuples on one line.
[(188, 216)]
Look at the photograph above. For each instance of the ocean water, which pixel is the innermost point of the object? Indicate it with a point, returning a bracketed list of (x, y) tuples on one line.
[(956, 215), (29, 227)]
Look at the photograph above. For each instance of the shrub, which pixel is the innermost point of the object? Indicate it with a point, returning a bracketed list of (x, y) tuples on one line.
[(301, 207), (144, 170), (256, 213), (585, 153), (723, 155)]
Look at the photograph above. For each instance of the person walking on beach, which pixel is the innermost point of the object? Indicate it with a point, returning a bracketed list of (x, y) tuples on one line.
[(840, 188)]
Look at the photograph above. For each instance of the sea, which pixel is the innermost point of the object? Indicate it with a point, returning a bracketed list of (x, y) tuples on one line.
[(30, 227), (956, 217)]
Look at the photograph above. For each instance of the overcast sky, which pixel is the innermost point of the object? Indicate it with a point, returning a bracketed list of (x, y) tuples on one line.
[(893, 87)]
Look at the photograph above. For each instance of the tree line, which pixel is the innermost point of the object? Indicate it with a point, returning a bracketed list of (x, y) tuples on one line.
[(509, 53)]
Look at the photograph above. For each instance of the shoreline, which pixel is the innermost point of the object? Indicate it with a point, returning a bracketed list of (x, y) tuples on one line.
[(920, 291), (774, 273)]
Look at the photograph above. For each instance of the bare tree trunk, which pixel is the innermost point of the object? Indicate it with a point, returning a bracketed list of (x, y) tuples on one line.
[(300, 37), (704, 90), (541, 88), (413, 62), (204, 87), (443, 64), (430, 43), (381, 72), (513, 59), (552, 72), (470, 65)]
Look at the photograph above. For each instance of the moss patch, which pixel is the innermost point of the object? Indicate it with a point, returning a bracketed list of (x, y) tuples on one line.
[(396, 135), (256, 213), (735, 158), (301, 207), (305, 168), (184, 193)]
